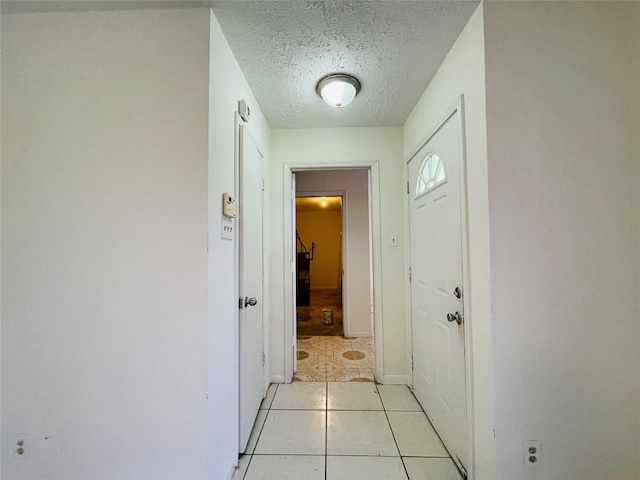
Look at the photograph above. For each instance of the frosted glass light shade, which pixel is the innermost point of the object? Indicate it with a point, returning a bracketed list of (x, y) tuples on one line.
[(338, 90)]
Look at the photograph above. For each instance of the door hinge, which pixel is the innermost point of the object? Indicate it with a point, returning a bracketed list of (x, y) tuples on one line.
[(263, 184), (263, 359), (409, 273), (411, 362), (407, 187), (240, 303)]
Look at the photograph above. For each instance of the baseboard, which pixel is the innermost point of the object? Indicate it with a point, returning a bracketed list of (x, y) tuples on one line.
[(395, 380), (276, 379)]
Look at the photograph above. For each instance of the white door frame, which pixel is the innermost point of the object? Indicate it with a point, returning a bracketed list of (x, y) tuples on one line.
[(289, 260), (466, 279), (343, 241)]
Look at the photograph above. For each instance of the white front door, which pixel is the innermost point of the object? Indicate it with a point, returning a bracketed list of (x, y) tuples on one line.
[(436, 285), (251, 278)]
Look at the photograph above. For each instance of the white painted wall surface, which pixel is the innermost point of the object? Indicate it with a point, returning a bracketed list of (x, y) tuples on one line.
[(227, 86), (332, 147), (462, 72), (357, 254), (563, 127), (104, 238)]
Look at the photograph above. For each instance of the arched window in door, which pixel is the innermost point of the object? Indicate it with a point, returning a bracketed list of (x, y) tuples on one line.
[(431, 173)]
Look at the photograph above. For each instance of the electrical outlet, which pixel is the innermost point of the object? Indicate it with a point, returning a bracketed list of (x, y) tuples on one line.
[(21, 445), (532, 452)]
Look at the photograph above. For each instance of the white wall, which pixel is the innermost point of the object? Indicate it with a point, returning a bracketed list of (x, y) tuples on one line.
[(227, 86), (104, 237), (462, 72), (357, 254), (563, 127), (331, 147)]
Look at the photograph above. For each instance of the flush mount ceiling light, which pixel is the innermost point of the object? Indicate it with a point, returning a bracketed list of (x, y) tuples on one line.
[(338, 89)]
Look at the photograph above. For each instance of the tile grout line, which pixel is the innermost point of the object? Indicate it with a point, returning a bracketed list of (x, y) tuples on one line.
[(326, 426), (393, 434)]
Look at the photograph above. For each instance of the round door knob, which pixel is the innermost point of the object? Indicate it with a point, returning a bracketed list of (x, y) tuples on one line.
[(250, 301), (455, 317)]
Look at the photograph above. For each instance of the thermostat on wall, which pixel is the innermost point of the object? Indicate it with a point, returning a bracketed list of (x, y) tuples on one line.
[(229, 207)]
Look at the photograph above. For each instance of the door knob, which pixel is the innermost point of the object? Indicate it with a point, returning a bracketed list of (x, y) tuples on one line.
[(455, 317), (250, 301), (457, 292)]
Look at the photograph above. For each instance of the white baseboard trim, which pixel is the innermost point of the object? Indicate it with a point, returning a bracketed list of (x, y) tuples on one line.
[(395, 380), (276, 379)]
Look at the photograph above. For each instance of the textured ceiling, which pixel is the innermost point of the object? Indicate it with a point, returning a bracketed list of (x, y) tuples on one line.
[(393, 47), (38, 6), (284, 47)]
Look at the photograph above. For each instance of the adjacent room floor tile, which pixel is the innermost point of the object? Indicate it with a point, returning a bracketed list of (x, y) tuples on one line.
[(415, 435), (365, 468), (293, 432), (344, 396), (359, 433), (301, 396), (365, 375), (349, 375), (285, 467), (334, 359), (431, 469), (398, 397)]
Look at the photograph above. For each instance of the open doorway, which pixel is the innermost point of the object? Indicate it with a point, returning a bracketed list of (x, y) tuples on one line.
[(319, 266), (334, 276)]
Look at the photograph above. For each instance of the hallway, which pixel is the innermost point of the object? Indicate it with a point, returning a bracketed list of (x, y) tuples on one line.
[(348, 431)]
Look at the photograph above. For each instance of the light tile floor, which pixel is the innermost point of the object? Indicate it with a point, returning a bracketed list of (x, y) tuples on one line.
[(334, 359), (343, 431)]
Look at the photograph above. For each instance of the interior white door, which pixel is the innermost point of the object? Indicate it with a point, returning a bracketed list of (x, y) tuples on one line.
[(294, 270), (436, 285), (250, 216)]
